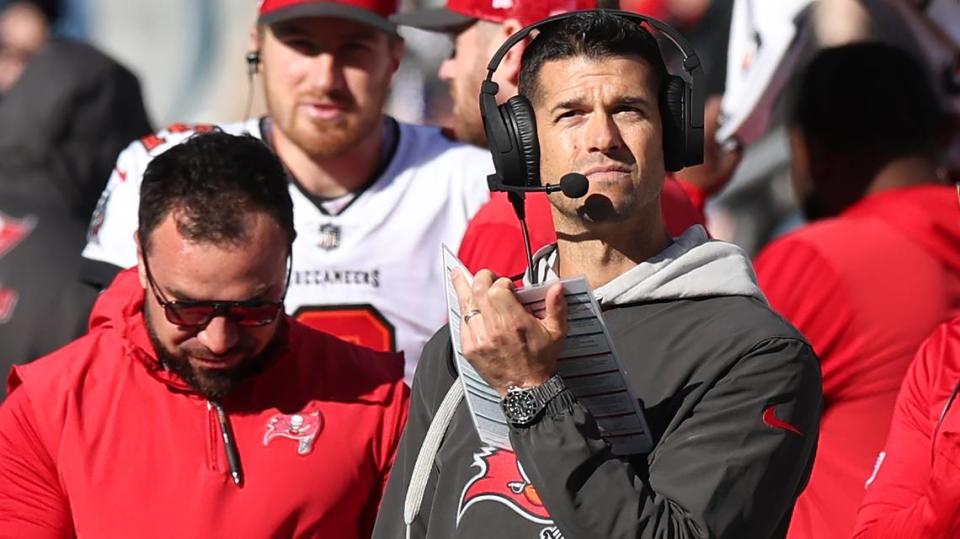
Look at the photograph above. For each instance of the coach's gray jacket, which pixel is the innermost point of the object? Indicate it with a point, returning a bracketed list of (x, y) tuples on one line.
[(730, 390)]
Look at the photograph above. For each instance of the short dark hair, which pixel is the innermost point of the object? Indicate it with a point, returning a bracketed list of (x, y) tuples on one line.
[(595, 34), (214, 179), (867, 101)]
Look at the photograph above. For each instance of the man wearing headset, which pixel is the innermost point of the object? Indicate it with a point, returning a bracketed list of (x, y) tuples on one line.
[(375, 198), (478, 28), (730, 391)]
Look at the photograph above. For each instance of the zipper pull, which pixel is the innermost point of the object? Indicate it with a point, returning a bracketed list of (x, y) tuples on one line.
[(229, 444)]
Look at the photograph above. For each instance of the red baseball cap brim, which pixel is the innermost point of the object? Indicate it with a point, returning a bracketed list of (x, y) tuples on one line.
[(438, 19), (328, 9)]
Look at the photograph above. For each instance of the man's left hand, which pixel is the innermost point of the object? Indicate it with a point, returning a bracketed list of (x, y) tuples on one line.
[(506, 344)]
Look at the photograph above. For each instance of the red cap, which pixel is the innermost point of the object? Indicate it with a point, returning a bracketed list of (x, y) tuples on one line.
[(375, 13), (459, 13), (651, 8)]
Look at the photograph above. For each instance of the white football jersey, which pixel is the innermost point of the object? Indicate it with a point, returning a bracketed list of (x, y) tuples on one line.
[(370, 274)]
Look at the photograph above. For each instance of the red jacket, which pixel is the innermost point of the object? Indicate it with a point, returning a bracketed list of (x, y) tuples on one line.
[(865, 288), (915, 489), (493, 240), (97, 440)]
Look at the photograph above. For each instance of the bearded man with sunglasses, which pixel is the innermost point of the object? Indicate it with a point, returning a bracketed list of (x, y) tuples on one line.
[(195, 407)]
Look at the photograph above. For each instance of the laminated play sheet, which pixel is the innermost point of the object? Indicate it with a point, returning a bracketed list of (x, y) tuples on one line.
[(588, 364)]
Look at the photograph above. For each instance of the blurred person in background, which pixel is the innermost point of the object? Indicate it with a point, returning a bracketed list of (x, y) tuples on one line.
[(24, 30), (706, 23), (62, 125), (477, 28), (877, 268), (195, 407), (375, 198)]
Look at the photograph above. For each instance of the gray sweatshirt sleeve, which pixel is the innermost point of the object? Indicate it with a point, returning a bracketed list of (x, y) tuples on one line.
[(733, 467)]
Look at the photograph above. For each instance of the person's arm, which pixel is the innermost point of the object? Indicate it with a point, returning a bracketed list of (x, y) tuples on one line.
[(802, 286), (392, 426), (430, 383), (733, 468), (915, 489), (32, 504)]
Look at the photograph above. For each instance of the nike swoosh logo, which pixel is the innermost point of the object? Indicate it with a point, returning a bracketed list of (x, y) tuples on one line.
[(771, 419), (122, 174)]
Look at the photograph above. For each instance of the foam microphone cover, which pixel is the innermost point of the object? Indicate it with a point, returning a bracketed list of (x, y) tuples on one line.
[(574, 185)]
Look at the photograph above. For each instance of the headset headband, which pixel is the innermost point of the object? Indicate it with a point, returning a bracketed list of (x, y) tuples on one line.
[(691, 62)]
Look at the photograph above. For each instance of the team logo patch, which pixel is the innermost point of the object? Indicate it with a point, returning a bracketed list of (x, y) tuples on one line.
[(329, 237), (501, 479), (302, 427), (12, 232)]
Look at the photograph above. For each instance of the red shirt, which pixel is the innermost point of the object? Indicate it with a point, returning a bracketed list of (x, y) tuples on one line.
[(493, 240), (915, 489), (865, 288), (98, 440)]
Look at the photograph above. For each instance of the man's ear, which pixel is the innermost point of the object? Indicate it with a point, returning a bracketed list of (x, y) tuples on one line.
[(255, 39), (141, 269), (397, 48), (508, 73)]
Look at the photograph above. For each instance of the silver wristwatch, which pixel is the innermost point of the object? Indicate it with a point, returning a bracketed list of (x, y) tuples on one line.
[(522, 405)]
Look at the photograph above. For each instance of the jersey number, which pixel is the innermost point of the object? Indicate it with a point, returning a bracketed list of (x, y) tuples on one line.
[(359, 324)]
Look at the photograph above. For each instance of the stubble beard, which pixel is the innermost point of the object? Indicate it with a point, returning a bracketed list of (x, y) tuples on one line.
[(596, 209), (468, 127), (329, 139), (211, 384)]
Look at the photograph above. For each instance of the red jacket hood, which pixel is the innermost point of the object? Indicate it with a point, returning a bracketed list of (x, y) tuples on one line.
[(928, 214), (120, 308), (118, 302)]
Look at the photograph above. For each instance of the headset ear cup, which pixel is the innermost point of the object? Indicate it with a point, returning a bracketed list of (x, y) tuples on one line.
[(518, 115), (673, 95)]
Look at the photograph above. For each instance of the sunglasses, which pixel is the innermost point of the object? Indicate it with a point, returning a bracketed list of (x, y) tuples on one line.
[(193, 314)]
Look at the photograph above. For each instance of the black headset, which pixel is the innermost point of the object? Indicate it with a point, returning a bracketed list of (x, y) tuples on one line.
[(511, 128)]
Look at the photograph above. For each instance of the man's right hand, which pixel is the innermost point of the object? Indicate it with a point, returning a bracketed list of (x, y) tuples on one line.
[(507, 345)]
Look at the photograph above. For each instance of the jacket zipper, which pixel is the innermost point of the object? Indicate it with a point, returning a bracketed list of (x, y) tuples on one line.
[(229, 442)]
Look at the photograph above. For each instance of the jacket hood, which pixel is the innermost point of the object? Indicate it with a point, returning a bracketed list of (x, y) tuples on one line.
[(119, 302), (120, 307), (927, 214), (692, 266)]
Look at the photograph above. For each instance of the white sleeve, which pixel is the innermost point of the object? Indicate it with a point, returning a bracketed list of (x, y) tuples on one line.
[(110, 235)]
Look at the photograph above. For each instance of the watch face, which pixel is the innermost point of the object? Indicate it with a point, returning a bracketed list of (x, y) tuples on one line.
[(520, 406)]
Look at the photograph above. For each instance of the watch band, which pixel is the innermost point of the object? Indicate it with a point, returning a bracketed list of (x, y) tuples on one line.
[(523, 405), (548, 390)]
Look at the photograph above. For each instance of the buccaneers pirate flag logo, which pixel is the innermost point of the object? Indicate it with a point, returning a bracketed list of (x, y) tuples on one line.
[(302, 428), (501, 479)]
